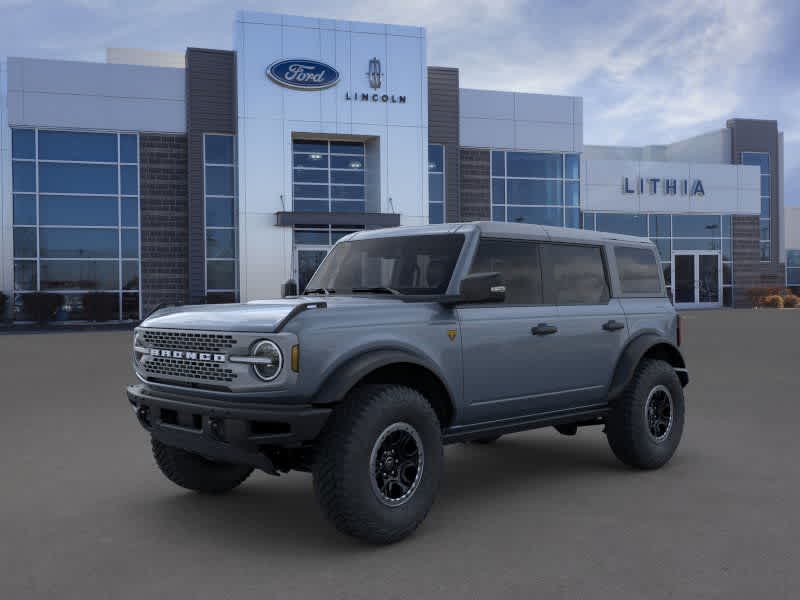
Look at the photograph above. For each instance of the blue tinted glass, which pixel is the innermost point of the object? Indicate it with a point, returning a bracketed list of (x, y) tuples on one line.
[(77, 210), (320, 161), (763, 229), (316, 238), (128, 149), (727, 226), (696, 244), (23, 176), (499, 213), (311, 205), (695, 225), (24, 275), (130, 275), (765, 185), (498, 163), (498, 191), (129, 180), (572, 217), (314, 175), (436, 213), (588, 221), (78, 243), (219, 212), (309, 146), (727, 249), (759, 159), (538, 215), (347, 148), (74, 145), (530, 164), (219, 181), (436, 187), (310, 191), (435, 158), (766, 251), (77, 179), (24, 209), (337, 162), (793, 277), (572, 189), (219, 149), (130, 243), (660, 226), (25, 242), (337, 235), (348, 206), (573, 166), (628, 224), (220, 243), (356, 177), (765, 207), (664, 248), (793, 258), (23, 144), (130, 212), (524, 191), (221, 274), (80, 275), (347, 192)]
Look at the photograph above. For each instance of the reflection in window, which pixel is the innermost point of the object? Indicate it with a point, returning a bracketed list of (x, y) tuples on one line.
[(793, 268), (328, 176), (436, 183), (221, 223), (761, 160)]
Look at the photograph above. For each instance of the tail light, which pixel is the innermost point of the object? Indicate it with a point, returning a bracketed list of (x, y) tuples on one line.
[(678, 330)]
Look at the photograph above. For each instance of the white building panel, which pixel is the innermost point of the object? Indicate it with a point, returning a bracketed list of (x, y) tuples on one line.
[(486, 133), (485, 104), (545, 136)]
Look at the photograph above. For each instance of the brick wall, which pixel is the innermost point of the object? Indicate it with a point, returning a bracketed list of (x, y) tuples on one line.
[(165, 232), (475, 199)]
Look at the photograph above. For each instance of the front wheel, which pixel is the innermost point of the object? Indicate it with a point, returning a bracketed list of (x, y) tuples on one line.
[(645, 424), (378, 463)]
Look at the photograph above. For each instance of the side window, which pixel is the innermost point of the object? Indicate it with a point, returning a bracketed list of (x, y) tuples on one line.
[(518, 265), (574, 275), (638, 271)]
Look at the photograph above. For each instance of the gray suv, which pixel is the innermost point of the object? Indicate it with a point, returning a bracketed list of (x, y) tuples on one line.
[(408, 339)]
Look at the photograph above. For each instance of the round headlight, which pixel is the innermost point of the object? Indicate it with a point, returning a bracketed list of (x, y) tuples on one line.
[(270, 362)]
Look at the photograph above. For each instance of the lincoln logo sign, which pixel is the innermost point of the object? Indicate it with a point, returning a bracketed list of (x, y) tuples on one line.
[(669, 187), (302, 74)]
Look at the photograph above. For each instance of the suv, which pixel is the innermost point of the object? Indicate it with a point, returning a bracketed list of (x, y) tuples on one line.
[(407, 339)]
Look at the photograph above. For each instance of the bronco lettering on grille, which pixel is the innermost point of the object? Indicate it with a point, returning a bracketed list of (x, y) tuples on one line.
[(203, 356)]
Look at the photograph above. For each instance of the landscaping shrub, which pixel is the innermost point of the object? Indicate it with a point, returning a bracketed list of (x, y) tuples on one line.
[(790, 301), (757, 295), (99, 306), (773, 301), (41, 306)]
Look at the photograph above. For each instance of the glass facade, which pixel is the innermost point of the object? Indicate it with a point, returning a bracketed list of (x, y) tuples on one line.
[(436, 183), (222, 274), (536, 187), (674, 232), (761, 160), (76, 218), (328, 176), (793, 268)]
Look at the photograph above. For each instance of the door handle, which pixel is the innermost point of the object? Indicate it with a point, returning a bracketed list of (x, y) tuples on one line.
[(543, 329), (613, 325)]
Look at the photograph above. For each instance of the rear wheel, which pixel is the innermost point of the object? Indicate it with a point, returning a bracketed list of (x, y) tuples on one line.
[(197, 473)]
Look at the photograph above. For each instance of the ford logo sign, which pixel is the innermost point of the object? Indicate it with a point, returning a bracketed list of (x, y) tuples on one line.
[(303, 74)]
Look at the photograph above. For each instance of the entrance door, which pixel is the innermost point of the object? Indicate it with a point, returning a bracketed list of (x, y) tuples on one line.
[(308, 259), (697, 279)]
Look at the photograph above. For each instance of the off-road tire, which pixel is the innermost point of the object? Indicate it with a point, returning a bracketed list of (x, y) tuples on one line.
[(627, 426), (194, 472), (483, 441), (344, 472)]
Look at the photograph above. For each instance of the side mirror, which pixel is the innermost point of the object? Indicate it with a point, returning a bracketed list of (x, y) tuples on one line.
[(482, 287)]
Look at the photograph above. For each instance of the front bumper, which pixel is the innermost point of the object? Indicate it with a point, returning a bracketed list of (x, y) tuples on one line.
[(223, 430)]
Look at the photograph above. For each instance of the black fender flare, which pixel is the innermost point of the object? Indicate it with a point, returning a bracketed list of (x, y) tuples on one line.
[(633, 353), (334, 388)]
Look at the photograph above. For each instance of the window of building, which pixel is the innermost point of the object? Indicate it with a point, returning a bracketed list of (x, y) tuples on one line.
[(312, 244), (793, 268), (638, 271), (574, 274), (761, 160), (76, 218), (536, 187), (436, 183), (219, 158), (328, 176), (518, 265)]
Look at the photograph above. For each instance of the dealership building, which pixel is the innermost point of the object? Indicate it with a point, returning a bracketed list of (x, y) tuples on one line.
[(217, 175)]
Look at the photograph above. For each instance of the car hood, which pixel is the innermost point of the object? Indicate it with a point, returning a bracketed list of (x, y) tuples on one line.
[(259, 316)]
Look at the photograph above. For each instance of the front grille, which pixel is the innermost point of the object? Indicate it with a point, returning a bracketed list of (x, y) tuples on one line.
[(192, 369), (194, 342)]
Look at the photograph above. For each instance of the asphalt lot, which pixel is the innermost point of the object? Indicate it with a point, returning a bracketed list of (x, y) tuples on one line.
[(84, 513)]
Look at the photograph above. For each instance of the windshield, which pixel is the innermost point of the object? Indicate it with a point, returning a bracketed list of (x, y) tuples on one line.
[(418, 264)]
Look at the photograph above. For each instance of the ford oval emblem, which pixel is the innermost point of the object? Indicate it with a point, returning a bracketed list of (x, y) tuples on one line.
[(303, 74)]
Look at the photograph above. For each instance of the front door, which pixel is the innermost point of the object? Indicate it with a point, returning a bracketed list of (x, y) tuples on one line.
[(308, 259), (697, 279)]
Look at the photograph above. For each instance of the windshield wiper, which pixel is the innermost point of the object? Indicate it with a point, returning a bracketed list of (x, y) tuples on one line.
[(320, 290), (377, 290)]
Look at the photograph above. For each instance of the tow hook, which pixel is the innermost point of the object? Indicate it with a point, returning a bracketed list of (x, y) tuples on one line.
[(143, 414), (216, 428)]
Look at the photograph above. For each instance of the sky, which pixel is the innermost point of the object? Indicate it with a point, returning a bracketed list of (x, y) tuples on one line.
[(649, 72)]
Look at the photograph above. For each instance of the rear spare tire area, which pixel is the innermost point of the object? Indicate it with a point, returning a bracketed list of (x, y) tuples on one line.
[(378, 463), (197, 473), (645, 424)]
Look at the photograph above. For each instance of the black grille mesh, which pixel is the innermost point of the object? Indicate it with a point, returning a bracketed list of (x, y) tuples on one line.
[(194, 342), (193, 369)]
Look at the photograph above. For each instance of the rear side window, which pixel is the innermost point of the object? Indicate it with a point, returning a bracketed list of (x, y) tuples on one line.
[(574, 275), (518, 265), (638, 271)]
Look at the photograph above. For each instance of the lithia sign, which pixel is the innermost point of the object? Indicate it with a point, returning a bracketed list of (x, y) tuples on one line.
[(667, 186), (306, 74)]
